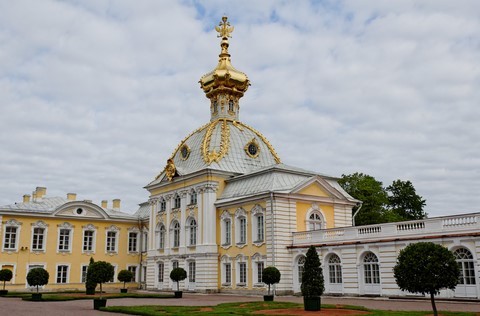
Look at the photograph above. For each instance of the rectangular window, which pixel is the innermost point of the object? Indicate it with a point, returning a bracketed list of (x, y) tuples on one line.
[(84, 273), (111, 241), (38, 238), (88, 240), (228, 273), (174, 264), (64, 240), (260, 228), (243, 272), (161, 271), (193, 198), (62, 274), (144, 242), (10, 241), (132, 242), (191, 271), (228, 232), (243, 230), (260, 266), (133, 269)]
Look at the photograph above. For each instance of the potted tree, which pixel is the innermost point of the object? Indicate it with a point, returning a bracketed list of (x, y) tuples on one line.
[(124, 276), (100, 272), (5, 275), (37, 277), (177, 275), (270, 276), (90, 285), (312, 281)]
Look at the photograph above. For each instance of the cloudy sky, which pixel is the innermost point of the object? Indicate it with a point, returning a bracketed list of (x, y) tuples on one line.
[(95, 95)]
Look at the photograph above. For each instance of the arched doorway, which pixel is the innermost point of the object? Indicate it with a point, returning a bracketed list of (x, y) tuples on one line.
[(467, 285), (371, 274)]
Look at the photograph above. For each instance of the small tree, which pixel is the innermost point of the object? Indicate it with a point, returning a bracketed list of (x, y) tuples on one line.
[(100, 272), (177, 275), (125, 276), (5, 276), (270, 275), (426, 268), (312, 277), (37, 277), (90, 285)]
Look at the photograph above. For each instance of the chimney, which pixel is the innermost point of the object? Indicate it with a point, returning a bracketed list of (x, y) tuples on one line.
[(104, 203), (41, 192), (26, 198), (71, 196), (116, 204), (34, 196)]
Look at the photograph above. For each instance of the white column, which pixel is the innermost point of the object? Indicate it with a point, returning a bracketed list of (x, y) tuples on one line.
[(168, 200)]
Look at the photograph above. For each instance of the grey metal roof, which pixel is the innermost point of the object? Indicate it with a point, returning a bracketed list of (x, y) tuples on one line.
[(48, 205), (143, 211), (235, 160), (275, 180)]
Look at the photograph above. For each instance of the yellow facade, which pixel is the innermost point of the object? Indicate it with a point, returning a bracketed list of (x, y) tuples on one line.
[(49, 254)]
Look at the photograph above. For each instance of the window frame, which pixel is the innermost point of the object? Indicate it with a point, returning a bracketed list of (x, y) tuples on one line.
[(133, 241), (62, 245), (93, 238), (65, 275)]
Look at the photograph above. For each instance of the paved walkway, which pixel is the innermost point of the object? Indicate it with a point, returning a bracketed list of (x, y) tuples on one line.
[(15, 306)]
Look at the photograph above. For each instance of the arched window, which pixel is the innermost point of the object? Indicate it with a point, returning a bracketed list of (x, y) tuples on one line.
[(230, 105), (315, 221), (193, 198), (176, 234), (334, 269), (371, 269), (163, 205), (466, 264), (161, 237), (192, 231), (300, 266), (176, 201)]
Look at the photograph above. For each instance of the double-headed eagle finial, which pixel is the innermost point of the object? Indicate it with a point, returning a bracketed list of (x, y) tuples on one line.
[(224, 29)]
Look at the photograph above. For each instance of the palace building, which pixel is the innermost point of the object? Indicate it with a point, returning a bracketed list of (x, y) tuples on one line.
[(223, 208)]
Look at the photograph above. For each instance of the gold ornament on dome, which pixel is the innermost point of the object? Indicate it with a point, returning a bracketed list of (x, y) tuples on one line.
[(214, 156), (224, 29), (170, 169)]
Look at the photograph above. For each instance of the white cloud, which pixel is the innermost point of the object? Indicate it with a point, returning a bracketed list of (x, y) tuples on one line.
[(95, 95)]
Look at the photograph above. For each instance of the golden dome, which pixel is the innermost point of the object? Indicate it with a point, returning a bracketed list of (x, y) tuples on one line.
[(224, 78)]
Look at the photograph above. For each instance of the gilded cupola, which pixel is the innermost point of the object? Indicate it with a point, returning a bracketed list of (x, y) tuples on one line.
[(224, 143), (224, 85)]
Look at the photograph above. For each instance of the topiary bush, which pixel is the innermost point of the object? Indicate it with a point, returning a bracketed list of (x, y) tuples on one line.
[(37, 277), (312, 277), (125, 276), (5, 276), (425, 268), (100, 272), (177, 275), (90, 285), (270, 276)]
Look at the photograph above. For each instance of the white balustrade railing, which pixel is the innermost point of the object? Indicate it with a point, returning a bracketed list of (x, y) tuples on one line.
[(430, 226)]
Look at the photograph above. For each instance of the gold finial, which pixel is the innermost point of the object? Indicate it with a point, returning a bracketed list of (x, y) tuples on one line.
[(224, 29)]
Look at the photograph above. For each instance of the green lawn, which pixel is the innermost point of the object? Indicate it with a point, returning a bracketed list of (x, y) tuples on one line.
[(68, 296), (249, 308)]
